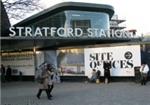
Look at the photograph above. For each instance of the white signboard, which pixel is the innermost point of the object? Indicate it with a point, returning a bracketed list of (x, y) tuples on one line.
[(19, 62), (123, 59)]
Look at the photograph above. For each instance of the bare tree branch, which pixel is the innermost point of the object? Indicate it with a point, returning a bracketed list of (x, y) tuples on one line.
[(17, 9)]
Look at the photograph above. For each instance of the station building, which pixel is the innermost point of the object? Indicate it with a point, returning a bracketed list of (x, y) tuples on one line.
[(67, 37)]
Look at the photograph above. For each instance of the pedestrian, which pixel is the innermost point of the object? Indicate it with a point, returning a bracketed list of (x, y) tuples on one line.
[(107, 67), (3, 72), (93, 77), (44, 84), (56, 78), (50, 79), (98, 74), (9, 73), (144, 69)]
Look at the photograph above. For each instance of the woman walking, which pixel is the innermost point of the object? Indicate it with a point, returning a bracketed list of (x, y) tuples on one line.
[(44, 84)]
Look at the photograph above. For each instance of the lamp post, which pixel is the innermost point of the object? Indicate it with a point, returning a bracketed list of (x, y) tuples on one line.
[(35, 61)]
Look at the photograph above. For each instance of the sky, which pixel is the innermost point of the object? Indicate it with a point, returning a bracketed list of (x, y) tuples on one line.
[(135, 12)]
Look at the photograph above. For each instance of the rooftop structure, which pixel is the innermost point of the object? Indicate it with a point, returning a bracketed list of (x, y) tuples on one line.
[(115, 23)]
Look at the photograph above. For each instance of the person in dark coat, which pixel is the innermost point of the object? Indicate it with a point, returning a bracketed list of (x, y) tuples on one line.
[(50, 79), (107, 67), (9, 73), (3, 71), (98, 74)]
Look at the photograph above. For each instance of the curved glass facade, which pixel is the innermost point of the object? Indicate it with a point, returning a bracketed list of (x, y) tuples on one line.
[(64, 19), (92, 19), (75, 19)]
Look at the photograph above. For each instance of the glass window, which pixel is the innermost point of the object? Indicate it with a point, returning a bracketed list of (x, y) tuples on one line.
[(85, 20), (56, 20), (71, 61), (82, 24), (97, 19)]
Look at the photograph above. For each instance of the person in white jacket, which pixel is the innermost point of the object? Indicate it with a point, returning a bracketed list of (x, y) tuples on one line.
[(144, 69)]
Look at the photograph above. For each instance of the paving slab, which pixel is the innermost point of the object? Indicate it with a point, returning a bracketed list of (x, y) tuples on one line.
[(67, 93)]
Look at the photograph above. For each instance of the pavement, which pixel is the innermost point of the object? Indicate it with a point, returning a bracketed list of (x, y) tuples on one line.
[(77, 93)]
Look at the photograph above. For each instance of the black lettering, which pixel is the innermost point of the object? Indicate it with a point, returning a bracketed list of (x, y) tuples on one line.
[(130, 63), (99, 63), (115, 63), (92, 57), (97, 56), (109, 56), (93, 65), (122, 63)]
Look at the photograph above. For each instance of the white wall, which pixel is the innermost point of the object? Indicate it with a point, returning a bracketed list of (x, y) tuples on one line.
[(123, 58), (21, 62)]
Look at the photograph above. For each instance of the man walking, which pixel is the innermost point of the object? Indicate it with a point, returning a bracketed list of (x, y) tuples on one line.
[(144, 73)]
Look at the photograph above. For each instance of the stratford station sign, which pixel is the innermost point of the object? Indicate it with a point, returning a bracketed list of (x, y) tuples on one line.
[(61, 32)]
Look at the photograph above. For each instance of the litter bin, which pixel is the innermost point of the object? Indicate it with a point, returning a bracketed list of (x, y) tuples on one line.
[(137, 74)]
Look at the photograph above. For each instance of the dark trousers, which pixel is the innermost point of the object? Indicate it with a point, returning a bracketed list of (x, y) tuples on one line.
[(50, 88), (3, 78), (40, 91), (143, 79), (99, 78), (8, 78)]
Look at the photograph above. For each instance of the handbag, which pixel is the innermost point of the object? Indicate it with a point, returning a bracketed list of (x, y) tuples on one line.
[(40, 80), (97, 81)]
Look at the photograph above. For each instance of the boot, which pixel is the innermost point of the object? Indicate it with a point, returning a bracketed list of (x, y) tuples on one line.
[(50, 88), (39, 93), (48, 95)]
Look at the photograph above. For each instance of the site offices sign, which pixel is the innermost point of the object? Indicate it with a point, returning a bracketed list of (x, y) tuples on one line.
[(62, 32), (122, 58)]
